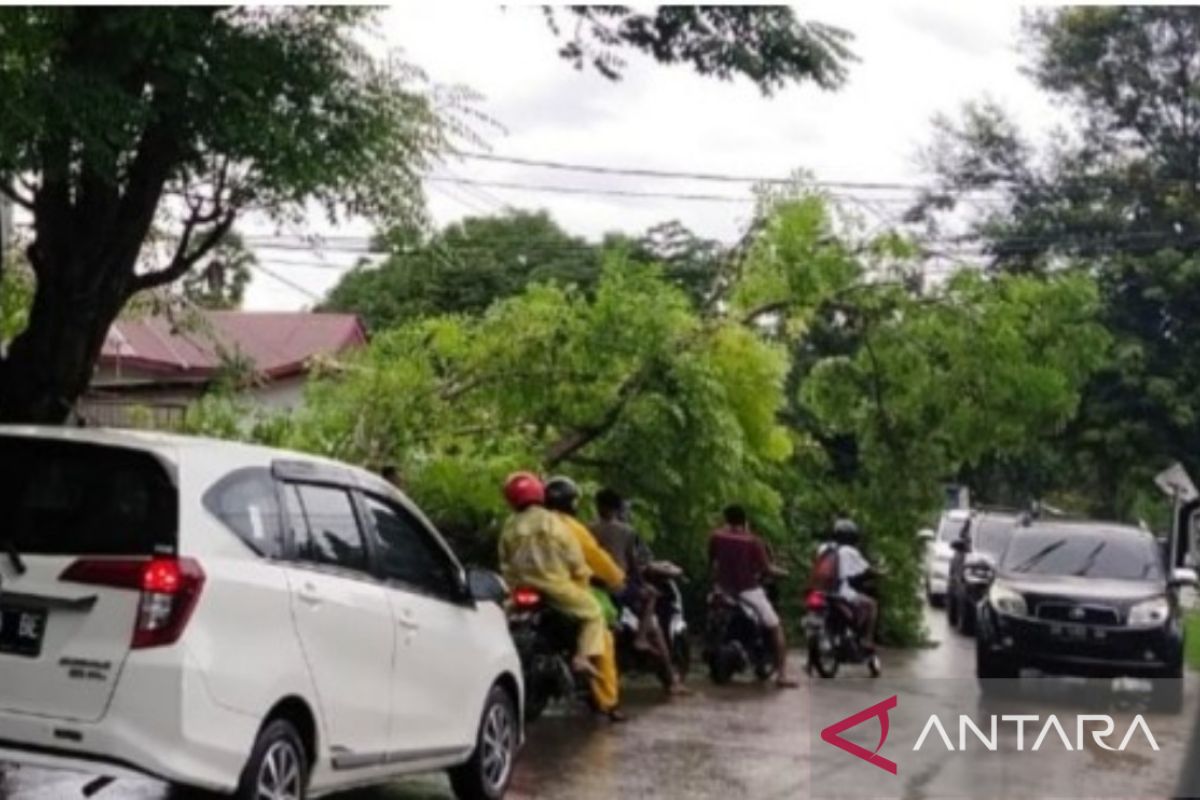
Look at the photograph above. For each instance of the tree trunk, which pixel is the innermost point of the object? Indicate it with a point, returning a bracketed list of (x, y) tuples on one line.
[(49, 365)]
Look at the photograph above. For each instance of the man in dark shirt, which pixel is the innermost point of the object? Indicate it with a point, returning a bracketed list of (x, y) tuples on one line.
[(740, 562), (621, 541)]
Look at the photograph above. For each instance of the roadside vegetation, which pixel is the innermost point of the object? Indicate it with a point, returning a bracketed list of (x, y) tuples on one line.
[(813, 369)]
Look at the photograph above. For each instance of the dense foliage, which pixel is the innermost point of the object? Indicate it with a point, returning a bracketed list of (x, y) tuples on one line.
[(1117, 194), (687, 406), (120, 119), (470, 264)]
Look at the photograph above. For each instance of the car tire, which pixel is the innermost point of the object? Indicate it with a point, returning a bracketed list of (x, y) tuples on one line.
[(966, 620), (990, 666), (487, 773), (278, 765)]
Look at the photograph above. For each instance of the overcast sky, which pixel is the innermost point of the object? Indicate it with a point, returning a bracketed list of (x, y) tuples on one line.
[(916, 60)]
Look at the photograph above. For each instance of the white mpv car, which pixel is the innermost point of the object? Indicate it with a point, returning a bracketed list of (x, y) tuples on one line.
[(238, 619)]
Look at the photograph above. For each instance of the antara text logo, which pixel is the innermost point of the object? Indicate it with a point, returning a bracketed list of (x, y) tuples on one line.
[(1033, 733)]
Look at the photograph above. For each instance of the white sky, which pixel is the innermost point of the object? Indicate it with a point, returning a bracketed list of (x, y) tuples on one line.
[(917, 59)]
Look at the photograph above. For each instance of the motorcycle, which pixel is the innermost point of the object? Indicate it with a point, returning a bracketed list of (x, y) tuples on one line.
[(664, 577), (736, 640), (833, 635), (545, 641)]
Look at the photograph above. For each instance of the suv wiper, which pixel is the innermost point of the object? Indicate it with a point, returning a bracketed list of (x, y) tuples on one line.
[(14, 556), (1039, 556), (1090, 560)]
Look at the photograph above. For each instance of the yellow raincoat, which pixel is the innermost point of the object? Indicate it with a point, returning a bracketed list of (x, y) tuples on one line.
[(606, 686), (537, 549)]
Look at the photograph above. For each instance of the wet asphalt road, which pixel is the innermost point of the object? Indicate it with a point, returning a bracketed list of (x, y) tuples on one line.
[(741, 742)]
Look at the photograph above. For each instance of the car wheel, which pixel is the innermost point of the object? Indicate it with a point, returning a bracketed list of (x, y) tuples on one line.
[(935, 600), (874, 666), (966, 620), (485, 776), (992, 667), (278, 765)]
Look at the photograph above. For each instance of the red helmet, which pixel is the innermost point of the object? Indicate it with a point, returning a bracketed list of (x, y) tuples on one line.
[(522, 489)]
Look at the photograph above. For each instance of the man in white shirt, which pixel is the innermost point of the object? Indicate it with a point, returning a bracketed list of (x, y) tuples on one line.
[(852, 565)]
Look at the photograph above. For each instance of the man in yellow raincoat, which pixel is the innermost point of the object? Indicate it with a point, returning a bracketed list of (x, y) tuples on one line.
[(537, 549), (562, 497)]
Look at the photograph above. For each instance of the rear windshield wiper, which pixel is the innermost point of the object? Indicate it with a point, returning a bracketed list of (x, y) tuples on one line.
[(14, 556)]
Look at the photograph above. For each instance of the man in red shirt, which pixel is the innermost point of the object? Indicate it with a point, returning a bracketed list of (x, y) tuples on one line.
[(740, 562)]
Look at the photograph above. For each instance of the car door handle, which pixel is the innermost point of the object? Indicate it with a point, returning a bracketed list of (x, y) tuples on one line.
[(407, 622)]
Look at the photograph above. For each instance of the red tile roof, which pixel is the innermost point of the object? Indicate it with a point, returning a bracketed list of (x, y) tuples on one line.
[(279, 344)]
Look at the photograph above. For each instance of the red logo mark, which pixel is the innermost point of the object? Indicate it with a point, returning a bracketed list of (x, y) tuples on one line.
[(832, 734)]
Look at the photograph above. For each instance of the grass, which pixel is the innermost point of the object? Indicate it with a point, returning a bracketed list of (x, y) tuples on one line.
[(1191, 652)]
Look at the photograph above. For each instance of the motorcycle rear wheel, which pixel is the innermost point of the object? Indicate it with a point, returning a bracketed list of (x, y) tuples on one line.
[(822, 657)]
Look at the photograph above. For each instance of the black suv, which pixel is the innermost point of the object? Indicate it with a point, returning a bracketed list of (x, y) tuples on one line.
[(975, 555), (1083, 598)]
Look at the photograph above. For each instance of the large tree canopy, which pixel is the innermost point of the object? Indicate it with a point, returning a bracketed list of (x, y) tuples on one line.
[(686, 406), (1116, 194), (469, 265), (120, 119)]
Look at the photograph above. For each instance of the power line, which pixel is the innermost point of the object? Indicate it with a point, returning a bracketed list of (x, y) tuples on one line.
[(638, 172), (579, 190)]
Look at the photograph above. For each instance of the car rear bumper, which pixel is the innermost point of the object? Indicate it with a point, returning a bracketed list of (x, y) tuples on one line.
[(160, 723), (1106, 652), (936, 582)]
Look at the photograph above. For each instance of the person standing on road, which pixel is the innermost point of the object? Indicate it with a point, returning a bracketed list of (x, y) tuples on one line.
[(740, 562), (630, 553), (537, 550), (562, 498)]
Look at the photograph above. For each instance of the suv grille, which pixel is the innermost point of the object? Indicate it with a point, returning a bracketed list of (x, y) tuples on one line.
[(1073, 612)]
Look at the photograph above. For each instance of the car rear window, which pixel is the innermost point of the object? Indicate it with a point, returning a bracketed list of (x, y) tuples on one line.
[(951, 529), (1115, 553), (68, 498)]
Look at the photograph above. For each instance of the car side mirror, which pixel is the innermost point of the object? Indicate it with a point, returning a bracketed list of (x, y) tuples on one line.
[(485, 586), (926, 535), (1183, 576)]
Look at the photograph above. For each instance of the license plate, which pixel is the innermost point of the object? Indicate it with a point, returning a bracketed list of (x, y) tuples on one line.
[(21, 631), (814, 621), (1074, 633)]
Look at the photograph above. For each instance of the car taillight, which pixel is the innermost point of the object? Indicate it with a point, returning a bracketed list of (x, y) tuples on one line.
[(169, 587), (525, 598), (815, 601)]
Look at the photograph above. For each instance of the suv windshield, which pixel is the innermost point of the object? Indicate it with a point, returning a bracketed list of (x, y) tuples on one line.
[(991, 535), (66, 498), (1119, 553)]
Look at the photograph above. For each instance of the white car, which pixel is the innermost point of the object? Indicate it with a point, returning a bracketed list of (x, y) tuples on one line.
[(940, 551), (242, 620)]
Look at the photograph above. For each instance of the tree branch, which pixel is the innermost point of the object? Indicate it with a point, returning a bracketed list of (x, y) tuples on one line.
[(570, 444), (10, 191), (185, 256)]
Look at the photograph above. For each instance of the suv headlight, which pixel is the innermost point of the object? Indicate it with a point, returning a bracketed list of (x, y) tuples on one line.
[(1154, 611), (1006, 601)]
